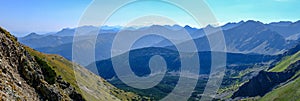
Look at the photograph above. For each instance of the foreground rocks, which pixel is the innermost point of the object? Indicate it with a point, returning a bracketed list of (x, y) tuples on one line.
[(22, 77)]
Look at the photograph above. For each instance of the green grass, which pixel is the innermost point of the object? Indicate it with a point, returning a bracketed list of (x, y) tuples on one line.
[(50, 74), (286, 61), (288, 92)]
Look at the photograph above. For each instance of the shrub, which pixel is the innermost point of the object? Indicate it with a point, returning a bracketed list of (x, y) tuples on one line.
[(48, 72)]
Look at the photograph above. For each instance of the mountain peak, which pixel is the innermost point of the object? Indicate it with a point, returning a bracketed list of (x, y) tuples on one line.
[(33, 34), (253, 22), (187, 26), (281, 23), (231, 25), (209, 26), (296, 23), (155, 26)]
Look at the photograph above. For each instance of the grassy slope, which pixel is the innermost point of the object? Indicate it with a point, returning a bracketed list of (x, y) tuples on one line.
[(93, 88), (286, 61), (287, 92)]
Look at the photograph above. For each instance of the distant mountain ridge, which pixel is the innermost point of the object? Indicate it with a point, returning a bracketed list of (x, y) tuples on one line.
[(285, 29), (242, 37), (250, 37)]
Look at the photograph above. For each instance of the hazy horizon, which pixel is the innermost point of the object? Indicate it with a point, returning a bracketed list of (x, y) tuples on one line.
[(24, 17), (137, 27)]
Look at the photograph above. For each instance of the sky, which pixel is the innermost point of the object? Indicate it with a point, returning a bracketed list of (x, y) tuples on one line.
[(42, 16)]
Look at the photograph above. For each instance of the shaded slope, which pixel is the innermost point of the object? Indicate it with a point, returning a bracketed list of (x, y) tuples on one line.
[(139, 60), (290, 90), (287, 92), (287, 59), (261, 84), (280, 82)]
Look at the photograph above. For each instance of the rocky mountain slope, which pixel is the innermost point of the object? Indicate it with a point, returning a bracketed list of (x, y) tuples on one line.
[(288, 90), (265, 82), (280, 82), (249, 37), (26, 74), (24, 77), (91, 86)]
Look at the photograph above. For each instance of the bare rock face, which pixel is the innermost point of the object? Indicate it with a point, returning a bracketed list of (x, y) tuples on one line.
[(24, 77)]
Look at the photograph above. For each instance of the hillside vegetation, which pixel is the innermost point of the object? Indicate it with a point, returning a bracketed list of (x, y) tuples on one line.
[(280, 83), (285, 62), (288, 92), (92, 86)]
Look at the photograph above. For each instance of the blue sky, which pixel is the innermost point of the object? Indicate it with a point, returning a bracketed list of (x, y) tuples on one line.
[(24, 16)]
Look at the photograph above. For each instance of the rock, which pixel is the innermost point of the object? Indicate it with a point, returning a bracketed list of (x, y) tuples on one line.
[(64, 84), (19, 83), (76, 96), (52, 94), (24, 79), (59, 78)]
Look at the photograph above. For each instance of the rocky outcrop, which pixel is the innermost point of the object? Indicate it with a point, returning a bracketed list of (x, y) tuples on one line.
[(23, 77), (266, 81), (261, 84)]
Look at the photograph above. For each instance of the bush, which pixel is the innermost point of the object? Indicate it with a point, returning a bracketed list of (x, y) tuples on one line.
[(48, 72)]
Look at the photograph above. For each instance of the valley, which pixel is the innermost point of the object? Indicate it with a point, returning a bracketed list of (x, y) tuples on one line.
[(150, 50), (253, 48)]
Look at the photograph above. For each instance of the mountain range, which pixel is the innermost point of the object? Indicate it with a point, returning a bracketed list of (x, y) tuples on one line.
[(242, 37), (262, 60)]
